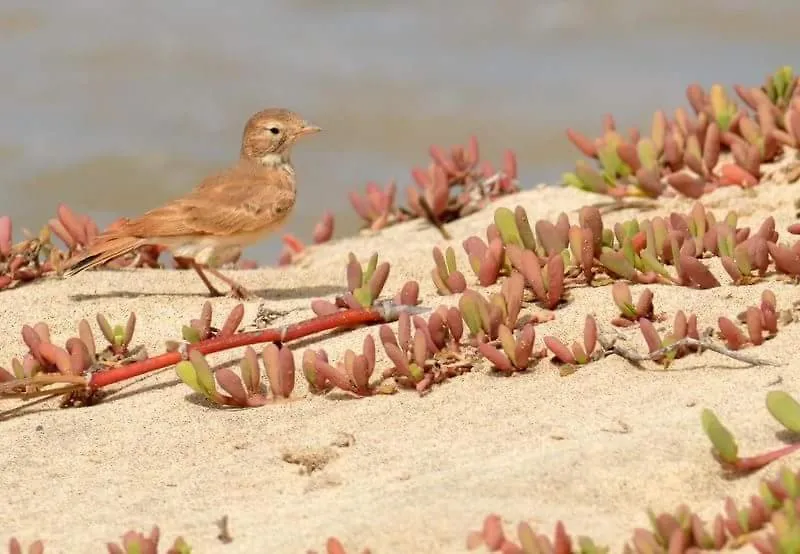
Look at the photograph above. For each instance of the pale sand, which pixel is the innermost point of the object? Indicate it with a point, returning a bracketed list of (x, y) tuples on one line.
[(594, 449)]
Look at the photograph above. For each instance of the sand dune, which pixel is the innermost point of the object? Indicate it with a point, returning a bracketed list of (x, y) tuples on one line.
[(593, 449)]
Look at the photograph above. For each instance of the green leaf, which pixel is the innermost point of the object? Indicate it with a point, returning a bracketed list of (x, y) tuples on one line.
[(181, 546), (743, 518), (188, 375), (372, 264), (767, 496), (470, 311), (617, 263), (441, 286), (609, 159), (105, 328), (720, 437), (475, 264), (608, 237), (579, 353), (572, 180), (646, 150), (589, 178), (248, 373), (780, 83), (628, 251), (524, 228), (119, 335), (587, 546), (789, 481), (507, 342), (17, 369), (630, 227), (742, 259), (527, 538), (651, 262), (731, 219), (507, 226), (725, 243), (190, 334), (628, 310), (363, 296), (205, 377), (721, 106), (669, 357), (450, 260), (785, 409)]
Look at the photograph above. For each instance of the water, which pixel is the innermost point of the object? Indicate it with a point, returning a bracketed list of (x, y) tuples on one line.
[(116, 106)]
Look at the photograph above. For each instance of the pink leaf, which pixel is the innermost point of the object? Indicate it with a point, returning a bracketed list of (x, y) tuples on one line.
[(560, 350), (230, 383)]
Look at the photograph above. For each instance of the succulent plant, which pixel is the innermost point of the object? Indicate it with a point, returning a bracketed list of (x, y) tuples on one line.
[(134, 542), (376, 207), (517, 350), (200, 329), (783, 408), (14, 547), (684, 151), (334, 546), (446, 276), (352, 374), (431, 355), (758, 320), (486, 261), (484, 317), (364, 286), (241, 392), (294, 249), (683, 326), (581, 352), (630, 312), (494, 539)]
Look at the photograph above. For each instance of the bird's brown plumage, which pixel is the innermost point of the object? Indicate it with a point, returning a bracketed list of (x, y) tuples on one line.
[(230, 209)]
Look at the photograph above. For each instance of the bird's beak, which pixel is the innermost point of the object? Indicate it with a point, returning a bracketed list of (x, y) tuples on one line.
[(308, 129)]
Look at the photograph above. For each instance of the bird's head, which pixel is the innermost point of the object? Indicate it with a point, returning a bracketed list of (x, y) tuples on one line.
[(270, 134)]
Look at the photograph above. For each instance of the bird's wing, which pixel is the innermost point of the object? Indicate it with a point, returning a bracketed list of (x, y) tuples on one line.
[(239, 200)]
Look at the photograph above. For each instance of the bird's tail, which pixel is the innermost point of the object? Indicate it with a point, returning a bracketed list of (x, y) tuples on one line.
[(102, 251)]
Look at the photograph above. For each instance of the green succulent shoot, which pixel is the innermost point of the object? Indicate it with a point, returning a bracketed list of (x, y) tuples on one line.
[(785, 409), (366, 284), (780, 86), (723, 108), (722, 440)]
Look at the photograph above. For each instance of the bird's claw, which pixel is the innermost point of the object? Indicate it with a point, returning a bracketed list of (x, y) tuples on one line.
[(240, 293)]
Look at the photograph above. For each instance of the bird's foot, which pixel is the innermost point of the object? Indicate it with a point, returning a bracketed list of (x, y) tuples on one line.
[(240, 293)]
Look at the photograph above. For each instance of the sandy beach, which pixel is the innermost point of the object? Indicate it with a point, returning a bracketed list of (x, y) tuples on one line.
[(399, 473)]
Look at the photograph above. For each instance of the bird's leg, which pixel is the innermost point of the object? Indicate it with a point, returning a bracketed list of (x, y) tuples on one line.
[(237, 290), (213, 291)]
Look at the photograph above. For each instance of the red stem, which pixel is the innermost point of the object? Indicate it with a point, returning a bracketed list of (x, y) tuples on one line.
[(754, 463), (345, 318)]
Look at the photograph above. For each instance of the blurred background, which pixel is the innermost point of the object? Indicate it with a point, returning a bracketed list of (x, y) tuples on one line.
[(115, 106)]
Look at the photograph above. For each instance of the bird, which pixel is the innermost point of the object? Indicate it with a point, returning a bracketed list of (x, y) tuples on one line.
[(225, 212)]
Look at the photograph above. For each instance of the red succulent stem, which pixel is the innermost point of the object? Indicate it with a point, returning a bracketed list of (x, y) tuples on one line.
[(342, 319), (754, 463)]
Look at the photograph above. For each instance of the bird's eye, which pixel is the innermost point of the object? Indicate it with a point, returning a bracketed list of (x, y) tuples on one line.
[(274, 130)]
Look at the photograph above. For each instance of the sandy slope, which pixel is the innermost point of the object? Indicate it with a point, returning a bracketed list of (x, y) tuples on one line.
[(594, 449)]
